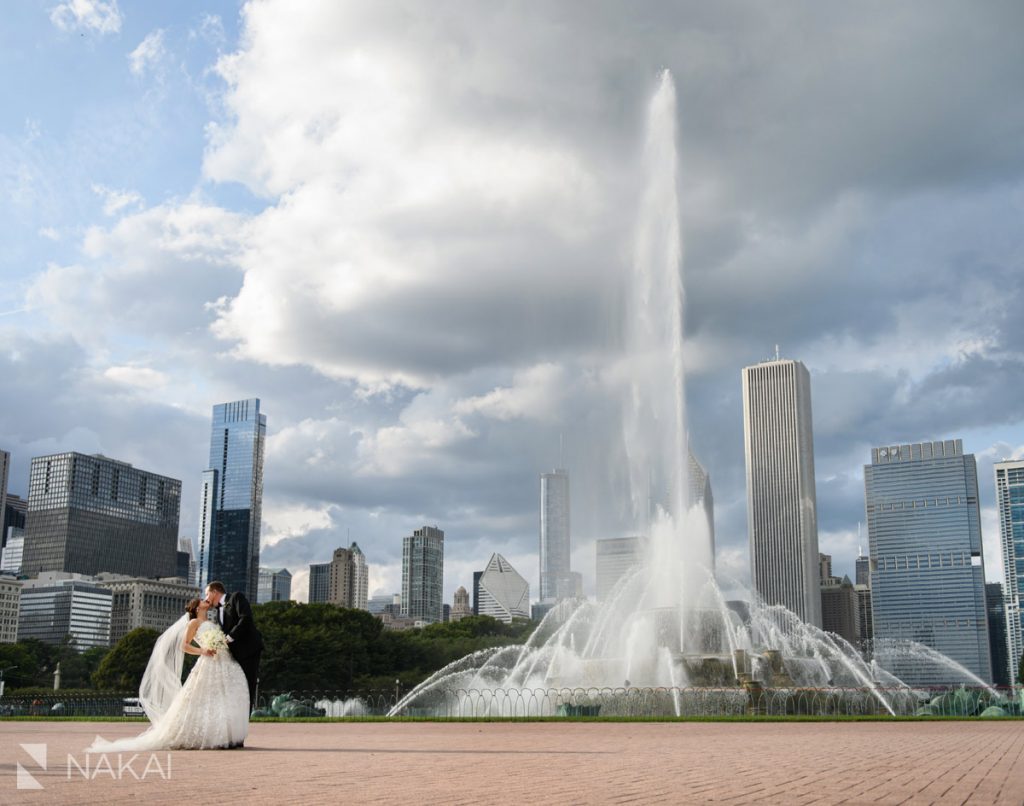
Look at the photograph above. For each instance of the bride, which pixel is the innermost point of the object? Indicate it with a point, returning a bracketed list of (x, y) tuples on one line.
[(210, 710)]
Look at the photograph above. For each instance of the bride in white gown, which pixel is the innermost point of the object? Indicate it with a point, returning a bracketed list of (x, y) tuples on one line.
[(211, 710)]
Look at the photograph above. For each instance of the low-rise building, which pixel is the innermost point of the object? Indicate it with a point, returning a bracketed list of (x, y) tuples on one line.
[(10, 604), (152, 603), (58, 605)]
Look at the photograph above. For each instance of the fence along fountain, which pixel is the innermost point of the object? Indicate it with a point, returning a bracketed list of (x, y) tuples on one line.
[(666, 629)]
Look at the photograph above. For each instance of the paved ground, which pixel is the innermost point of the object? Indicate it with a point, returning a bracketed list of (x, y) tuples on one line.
[(529, 763)]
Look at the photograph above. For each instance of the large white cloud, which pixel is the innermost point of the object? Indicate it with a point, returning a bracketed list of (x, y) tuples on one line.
[(427, 292)]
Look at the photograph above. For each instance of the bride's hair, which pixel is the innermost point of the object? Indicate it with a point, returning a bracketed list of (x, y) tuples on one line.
[(192, 608)]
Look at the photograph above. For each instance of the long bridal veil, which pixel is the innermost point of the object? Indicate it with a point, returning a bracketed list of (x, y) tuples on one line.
[(161, 683), (162, 680)]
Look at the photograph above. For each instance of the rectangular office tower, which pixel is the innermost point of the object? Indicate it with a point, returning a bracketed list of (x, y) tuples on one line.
[(616, 557), (423, 574), (231, 498), (88, 514), (555, 545), (782, 519), (927, 567), (1010, 511)]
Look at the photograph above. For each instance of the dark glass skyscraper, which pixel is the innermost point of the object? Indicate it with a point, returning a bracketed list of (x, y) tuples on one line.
[(927, 566), (88, 514), (232, 498)]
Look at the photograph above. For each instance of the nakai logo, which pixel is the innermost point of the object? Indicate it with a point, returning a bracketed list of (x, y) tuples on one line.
[(36, 752)]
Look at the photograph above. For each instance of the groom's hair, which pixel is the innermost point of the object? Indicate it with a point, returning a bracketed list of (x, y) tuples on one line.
[(216, 586)]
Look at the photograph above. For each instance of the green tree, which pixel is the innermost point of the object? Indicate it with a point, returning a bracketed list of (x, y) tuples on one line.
[(310, 647), (315, 646), (21, 665), (123, 666)]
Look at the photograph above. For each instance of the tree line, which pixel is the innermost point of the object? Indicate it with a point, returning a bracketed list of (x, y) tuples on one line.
[(307, 647)]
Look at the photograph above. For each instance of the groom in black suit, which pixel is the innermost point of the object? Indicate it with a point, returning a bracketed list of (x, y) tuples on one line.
[(244, 641)]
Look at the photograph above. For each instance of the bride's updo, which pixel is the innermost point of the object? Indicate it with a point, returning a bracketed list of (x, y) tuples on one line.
[(192, 608)]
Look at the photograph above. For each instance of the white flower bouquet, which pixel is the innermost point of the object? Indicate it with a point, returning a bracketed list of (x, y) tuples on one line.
[(212, 638)]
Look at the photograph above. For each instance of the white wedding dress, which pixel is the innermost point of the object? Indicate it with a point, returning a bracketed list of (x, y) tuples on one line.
[(211, 710)]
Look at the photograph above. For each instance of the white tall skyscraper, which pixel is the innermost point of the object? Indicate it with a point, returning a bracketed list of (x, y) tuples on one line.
[(1009, 500), (782, 520), (555, 542)]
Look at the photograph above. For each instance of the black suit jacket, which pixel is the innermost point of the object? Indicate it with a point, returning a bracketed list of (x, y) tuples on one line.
[(246, 640)]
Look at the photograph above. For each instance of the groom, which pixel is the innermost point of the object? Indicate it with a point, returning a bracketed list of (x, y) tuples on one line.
[(244, 641)]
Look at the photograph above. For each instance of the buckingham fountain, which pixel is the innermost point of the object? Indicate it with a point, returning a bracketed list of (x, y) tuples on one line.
[(666, 642)]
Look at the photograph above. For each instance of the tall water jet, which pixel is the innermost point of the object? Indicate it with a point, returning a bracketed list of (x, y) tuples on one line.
[(665, 626)]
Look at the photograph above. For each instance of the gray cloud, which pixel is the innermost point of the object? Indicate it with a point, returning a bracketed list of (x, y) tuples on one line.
[(449, 201)]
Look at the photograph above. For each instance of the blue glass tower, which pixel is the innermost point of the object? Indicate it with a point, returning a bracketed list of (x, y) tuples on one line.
[(232, 498), (927, 568), (1010, 503)]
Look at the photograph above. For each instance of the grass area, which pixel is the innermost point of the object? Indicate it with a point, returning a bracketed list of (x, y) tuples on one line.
[(398, 720)]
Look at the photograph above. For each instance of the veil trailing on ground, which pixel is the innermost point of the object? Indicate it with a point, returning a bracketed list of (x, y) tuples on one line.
[(162, 680)]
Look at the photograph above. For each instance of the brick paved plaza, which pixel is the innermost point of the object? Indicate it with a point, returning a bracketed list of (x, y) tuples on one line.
[(528, 763)]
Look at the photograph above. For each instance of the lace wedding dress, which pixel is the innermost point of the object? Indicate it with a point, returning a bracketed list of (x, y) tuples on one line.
[(211, 710)]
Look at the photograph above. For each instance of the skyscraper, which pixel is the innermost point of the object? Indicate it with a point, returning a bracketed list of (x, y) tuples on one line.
[(14, 515), (555, 545), (460, 604), (863, 569), (88, 514), (347, 578), (997, 643), (700, 496), (503, 592), (1010, 511), (231, 499), (275, 585), (782, 519), (5, 467), (927, 568), (616, 557), (840, 609), (319, 583), (423, 574), (186, 561)]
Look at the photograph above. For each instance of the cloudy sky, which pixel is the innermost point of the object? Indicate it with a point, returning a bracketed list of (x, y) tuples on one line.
[(402, 226)]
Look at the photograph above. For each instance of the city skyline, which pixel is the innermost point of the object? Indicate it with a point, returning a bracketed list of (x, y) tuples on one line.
[(162, 277)]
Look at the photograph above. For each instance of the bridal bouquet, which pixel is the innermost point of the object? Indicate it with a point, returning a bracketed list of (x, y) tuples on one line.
[(212, 638)]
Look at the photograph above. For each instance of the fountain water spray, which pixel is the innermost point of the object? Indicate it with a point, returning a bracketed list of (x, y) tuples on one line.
[(665, 625)]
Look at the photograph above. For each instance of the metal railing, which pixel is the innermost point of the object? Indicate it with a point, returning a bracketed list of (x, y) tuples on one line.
[(625, 703)]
